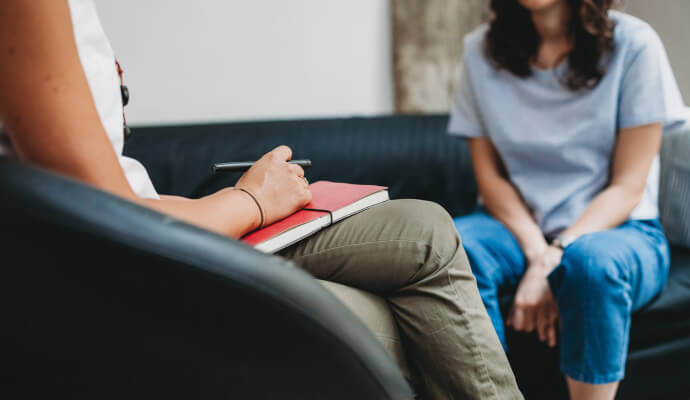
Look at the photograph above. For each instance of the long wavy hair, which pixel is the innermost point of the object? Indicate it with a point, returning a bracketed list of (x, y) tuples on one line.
[(512, 41)]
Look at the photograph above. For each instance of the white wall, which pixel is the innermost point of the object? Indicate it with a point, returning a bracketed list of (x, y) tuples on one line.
[(211, 60), (219, 60)]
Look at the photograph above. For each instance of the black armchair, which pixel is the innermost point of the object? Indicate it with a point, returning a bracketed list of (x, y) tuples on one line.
[(102, 298), (415, 157)]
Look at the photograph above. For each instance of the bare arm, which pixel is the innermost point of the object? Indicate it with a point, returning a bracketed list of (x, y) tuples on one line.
[(635, 150), (503, 200), (50, 116), (534, 306)]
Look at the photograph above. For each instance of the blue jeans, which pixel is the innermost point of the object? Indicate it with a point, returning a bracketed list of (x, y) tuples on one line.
[(603, 277)]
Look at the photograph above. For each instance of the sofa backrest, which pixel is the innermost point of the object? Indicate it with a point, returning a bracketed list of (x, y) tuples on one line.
[(674, 193), (412, 154)]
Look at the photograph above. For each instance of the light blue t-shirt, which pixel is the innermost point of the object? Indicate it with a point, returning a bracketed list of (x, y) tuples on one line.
[(556, 144)]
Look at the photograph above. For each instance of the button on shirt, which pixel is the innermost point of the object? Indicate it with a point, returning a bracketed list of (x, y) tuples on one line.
[(557, 144)]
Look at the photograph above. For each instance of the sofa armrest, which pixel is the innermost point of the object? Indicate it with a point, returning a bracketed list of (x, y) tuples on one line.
[(674, 189), (412, 155)]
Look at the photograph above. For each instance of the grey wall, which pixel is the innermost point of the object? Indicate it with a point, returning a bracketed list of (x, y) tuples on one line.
[(671, 18)]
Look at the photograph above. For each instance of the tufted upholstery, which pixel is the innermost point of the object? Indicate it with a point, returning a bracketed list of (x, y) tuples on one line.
[(414, 156), (674, 196)]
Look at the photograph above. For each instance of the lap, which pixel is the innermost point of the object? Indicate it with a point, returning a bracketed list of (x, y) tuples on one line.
[(380, 249), (494, 252), (633, 243), (634, 255)]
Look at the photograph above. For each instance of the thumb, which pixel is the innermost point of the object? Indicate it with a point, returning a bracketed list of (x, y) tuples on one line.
[(283, 152)]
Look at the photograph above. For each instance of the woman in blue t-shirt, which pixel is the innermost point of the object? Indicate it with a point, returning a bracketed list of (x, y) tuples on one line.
[(564, 103)]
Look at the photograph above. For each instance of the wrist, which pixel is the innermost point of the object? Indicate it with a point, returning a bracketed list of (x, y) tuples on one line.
[(541, 268), (535, 251), (548, 261), (257, 219), (562, 241)]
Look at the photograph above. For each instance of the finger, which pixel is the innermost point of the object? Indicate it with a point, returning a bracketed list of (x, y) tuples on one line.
[(554, 325), (528, 323), (518, 319), (542, 332), (551, 334), (302, 181), (283, 152), (553, 310), (296, 169), (548, 321), (307, 196), (543, 325)]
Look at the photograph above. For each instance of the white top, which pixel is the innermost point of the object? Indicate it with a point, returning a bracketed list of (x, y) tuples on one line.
[(98, 61), (557, 144)]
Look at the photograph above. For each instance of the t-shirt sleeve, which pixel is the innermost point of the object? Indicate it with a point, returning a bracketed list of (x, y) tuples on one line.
[(649, 92), (465, 119), (138, 178)]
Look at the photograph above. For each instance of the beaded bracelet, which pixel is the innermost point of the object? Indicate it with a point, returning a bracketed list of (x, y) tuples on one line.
[(258, 204)]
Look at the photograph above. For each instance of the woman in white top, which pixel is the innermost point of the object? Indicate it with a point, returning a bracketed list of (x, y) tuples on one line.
[(61, 106)]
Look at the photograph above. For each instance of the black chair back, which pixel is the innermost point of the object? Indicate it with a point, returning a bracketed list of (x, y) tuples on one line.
[(101, 298)]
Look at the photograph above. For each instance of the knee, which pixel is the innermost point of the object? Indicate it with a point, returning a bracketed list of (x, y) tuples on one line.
[(479, 232), (589, 270), (427, 223), (422, 220), (440, 233), (494, 254)]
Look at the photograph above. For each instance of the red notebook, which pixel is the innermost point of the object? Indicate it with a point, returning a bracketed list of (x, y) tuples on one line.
[(330, 203)]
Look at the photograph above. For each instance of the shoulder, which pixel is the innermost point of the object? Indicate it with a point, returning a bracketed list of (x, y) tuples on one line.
[(474, 43), (633, 34)]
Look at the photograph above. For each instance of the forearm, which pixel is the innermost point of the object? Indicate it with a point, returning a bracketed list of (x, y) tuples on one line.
[(503, 200), (227, 212), (506, 205), (609, 209), (633, 157)]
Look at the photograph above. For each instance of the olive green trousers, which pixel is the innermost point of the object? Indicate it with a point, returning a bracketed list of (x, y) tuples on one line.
[(408, 252)]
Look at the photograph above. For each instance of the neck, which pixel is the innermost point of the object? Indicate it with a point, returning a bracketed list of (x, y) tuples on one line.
[(552, 22)]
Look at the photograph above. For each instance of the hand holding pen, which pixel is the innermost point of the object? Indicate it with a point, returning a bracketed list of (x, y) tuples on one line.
[(243, 166), (273, 182)]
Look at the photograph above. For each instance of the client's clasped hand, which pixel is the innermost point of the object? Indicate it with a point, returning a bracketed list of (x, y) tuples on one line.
[(534, 306)]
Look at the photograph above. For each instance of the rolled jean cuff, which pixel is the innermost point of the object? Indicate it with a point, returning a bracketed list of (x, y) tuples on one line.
[(592, 379)]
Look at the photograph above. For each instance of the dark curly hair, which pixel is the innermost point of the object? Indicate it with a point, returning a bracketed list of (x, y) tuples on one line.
[(512, 41)]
